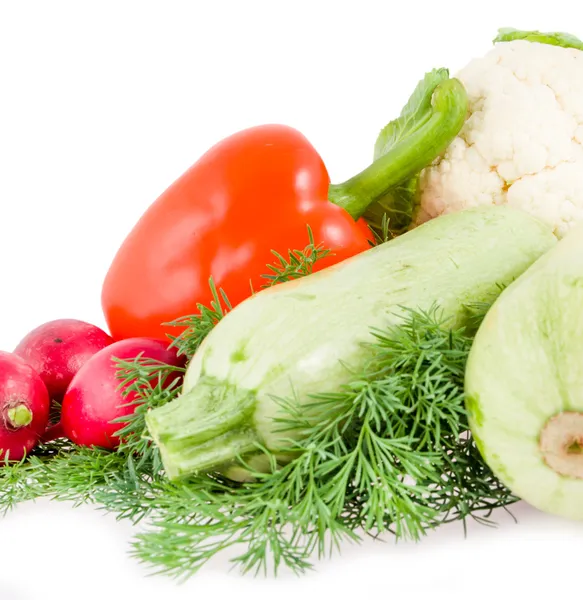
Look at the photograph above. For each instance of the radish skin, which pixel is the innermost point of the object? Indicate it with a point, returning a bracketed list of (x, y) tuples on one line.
[(58, 349), (24, 407), (94, 397)]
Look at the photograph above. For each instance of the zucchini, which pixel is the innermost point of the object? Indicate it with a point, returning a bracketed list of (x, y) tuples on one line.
[(308, 335), (524, 382)]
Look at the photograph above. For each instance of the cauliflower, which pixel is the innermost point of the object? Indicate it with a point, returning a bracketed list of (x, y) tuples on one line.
[(522, 143)]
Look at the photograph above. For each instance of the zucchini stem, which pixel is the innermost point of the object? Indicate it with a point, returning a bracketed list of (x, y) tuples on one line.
[(561, 441), (206, 428)]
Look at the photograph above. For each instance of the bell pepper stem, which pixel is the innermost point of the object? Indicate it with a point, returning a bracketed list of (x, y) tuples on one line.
[(408, 156)]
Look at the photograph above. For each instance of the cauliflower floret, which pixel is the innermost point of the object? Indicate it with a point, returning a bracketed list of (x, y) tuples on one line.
[(522, 143)]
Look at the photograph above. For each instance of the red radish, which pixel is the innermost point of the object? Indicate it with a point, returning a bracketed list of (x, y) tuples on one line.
[(94, 398), (58, 349), (24, 407)]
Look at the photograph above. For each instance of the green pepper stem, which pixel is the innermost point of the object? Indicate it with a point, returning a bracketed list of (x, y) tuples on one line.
[(204, 429), (408, 156)]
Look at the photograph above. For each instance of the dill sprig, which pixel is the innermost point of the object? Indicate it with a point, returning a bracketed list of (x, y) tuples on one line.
[(197, 326), (299, 263), (146, 383), (18, 484), (77, 474), (60, 470), (390, 453), (382, 233)]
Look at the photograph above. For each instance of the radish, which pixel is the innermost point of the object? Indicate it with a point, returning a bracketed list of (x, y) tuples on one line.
[(58, 349), (24, 407), (94, 397)]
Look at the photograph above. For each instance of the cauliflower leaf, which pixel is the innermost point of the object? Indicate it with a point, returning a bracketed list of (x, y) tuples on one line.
[(558, 38)]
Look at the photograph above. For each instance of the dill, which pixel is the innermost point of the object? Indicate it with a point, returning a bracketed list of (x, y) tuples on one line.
[(151, 383), (299, 263), (391, 453), (381, 233), (197, 326)]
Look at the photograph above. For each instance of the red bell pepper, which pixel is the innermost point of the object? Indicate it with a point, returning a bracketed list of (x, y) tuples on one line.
[(252, 193)]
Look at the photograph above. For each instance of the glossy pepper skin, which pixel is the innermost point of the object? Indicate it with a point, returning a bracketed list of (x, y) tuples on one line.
[(254, 192)]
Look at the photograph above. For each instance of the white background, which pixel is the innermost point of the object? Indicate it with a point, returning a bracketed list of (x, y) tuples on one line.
[(102, 105)]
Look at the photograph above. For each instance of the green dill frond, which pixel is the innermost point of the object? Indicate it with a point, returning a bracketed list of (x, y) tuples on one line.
[(59, 470), (148, 384), (196, 327), (299, 263), (389, 453), (383, 233), (18, 484), (76, 475)]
